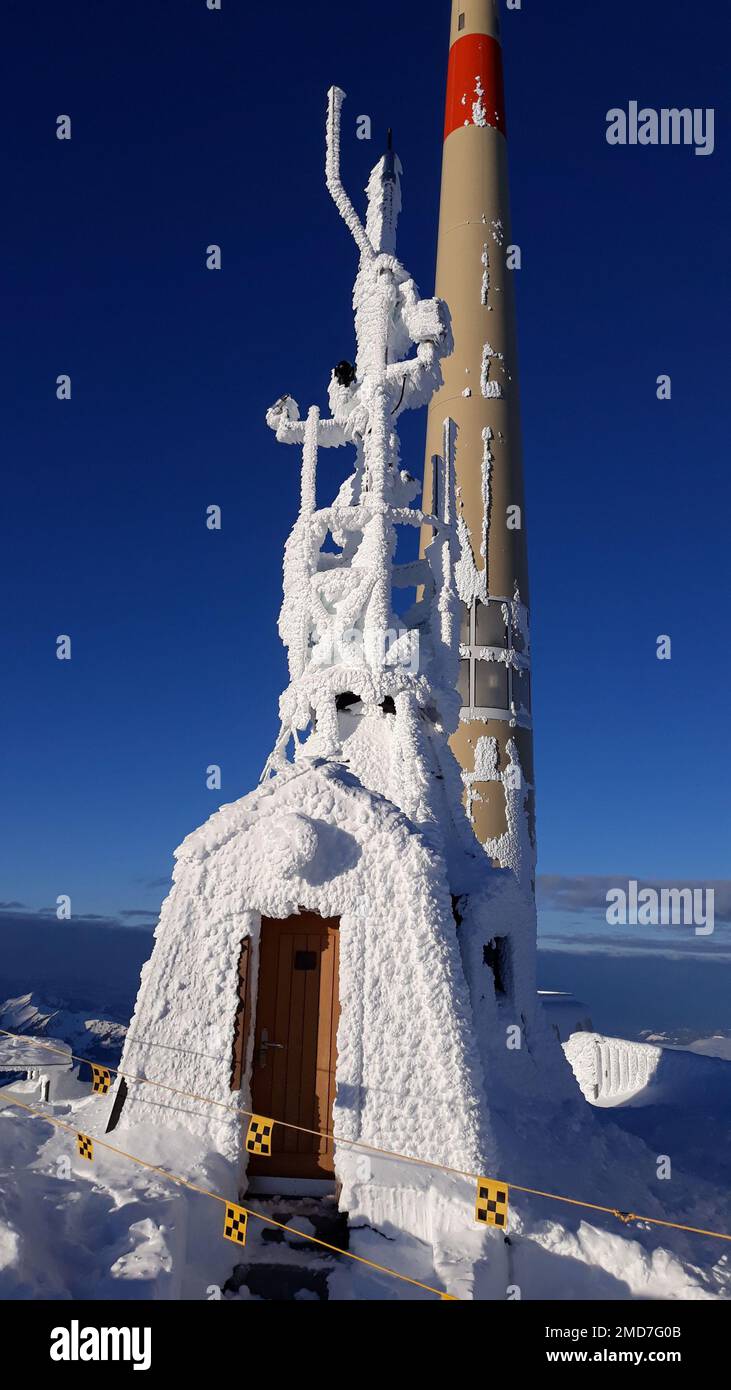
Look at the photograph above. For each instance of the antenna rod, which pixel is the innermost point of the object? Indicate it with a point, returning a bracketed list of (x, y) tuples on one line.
[(336, 97)]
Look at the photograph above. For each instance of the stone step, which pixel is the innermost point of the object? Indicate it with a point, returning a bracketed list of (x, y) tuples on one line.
[(280, 1266), (280, 1283)]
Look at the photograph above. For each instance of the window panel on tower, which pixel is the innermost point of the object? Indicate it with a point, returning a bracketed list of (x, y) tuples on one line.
[(490, 628), (463, 682), (491, 685), (521, 689)]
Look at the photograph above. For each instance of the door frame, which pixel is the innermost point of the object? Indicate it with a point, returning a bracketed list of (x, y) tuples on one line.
[(243, 1061)]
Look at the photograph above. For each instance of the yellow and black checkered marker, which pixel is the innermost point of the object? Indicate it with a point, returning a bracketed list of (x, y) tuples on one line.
[(101, 1080), (234, 1226), (491, 1207), (85, 1146), (259, 1136)]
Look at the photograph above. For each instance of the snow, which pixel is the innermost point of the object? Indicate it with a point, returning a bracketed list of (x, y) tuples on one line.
[(472, 583), (19, 1054), (491, 388), (107, 1230), (608, 1069), (607, 1263), (360, 809), (616, 1071), (384, 203), (479, 112), (100, 1039), (401, 1072), (152, 1239), (359, 816), (717, 1045), (485, 287), (514, 848)]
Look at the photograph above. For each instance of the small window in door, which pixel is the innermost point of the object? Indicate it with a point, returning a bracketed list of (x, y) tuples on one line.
[(305, 960)]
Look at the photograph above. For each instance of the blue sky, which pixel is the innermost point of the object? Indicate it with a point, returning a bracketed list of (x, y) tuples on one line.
[(191, 127)]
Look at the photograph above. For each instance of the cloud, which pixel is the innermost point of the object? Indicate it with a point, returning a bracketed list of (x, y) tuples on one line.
[(45, 916), (704, 948), (588, 892)]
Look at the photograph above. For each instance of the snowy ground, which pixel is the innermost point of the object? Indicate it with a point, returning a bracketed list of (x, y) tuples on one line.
[(113, 1230)]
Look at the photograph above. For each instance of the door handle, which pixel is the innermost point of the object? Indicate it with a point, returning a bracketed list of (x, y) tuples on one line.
[(264, 1045)]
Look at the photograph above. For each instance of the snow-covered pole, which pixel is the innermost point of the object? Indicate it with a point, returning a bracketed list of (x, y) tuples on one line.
[(376, 446), (476, 263), (336, 97), (309, 463), (378, 614)]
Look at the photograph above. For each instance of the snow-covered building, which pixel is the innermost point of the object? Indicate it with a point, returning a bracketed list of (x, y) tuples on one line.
[(337, 952), (46, 1067)]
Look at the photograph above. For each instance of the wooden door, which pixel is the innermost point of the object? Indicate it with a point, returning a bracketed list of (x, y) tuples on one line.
[(293, 1074)]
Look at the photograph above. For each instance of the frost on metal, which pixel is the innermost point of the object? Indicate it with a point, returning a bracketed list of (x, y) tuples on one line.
[(359, 813), (479, 111), (472, 582), (515, 848), (492, 389), (485, 287), (612, 1069)]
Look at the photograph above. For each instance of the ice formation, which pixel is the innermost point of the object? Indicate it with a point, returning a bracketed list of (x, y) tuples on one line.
[(359, 814), (491, 387)]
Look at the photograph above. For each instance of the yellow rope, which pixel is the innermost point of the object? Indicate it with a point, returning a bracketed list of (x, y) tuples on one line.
[(204, 1192), (625, 1217)]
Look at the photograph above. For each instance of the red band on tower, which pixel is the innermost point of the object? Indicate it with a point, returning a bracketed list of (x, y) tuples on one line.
[(475, 90)]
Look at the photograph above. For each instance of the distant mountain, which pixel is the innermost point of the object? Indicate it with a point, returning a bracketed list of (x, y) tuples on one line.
[(99, 1039), (73, 965), (718, 1044), (71, 981)]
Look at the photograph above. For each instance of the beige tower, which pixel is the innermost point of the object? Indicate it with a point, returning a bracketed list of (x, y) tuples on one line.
[(476, 264)]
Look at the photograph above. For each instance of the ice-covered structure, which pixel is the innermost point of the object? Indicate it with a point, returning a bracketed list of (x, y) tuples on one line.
[(337, 952)]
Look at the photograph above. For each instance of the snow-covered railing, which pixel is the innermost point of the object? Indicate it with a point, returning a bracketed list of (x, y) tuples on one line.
[(611, 1068)]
